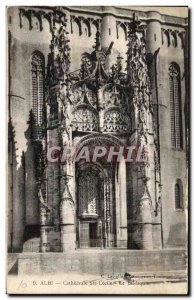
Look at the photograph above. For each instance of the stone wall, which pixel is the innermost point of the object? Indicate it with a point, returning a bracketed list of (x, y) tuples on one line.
[(102, 262)]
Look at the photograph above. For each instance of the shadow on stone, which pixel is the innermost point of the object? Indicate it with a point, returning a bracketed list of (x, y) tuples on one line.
[(14, 269)]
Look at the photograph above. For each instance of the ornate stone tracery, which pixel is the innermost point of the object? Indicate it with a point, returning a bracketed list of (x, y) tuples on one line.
[(173, 71), (84, 94), (115, 121), (175, 38), (80, 21), (88, 185), (105, 102), (84, 119), (99, 89)]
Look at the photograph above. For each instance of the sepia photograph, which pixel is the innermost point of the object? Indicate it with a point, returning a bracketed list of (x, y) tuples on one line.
[(97, 150)]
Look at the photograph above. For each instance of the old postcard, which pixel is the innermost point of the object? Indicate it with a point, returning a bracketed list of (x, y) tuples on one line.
[(98, 135)]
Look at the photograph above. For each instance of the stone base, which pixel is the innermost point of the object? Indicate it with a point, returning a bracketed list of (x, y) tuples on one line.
[(122, 244), (102, 262)]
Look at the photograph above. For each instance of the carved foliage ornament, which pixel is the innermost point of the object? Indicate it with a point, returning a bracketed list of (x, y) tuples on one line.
[(138, 76), (59, 57)]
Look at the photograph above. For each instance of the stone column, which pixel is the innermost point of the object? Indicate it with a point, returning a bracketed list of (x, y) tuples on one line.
[(108, 231), (153, 32), (101, 110), (108, 33), (100, 234), (108, 210), (121, 212), (43, 239), (145, 221), (159, 96), (44, 211), (67, 220)]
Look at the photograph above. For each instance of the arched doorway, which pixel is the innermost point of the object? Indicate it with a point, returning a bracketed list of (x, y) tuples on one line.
[(100, 193), (95, 205)]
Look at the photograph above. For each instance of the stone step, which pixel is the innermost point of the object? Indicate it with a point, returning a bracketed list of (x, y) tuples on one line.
[(103, 262)]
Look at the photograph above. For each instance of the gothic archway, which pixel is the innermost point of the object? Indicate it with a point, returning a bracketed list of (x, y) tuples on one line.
[(100, 198), (94, 206)]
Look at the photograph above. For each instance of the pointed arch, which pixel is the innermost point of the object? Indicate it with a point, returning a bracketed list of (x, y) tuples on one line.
[(38, 82), (25, 14), (124, 30), (48, 18), (166, 38), (178, 194), (174, 39), (181, 38), (175, 106), (87, 24), (96, 24), (75, 20), (37, 20)]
